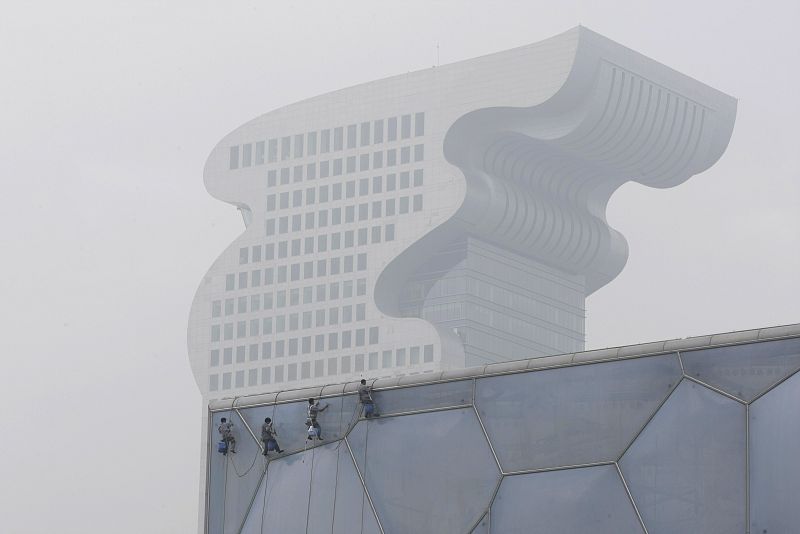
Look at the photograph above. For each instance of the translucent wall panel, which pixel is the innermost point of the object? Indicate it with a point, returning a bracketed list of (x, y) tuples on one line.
[(289, 420), (281, 503), (320, 488), (430, 472), (573, 415), (589, 500), (774, 464), (686, 470), (443, 395), (234, 478), (744, 371)]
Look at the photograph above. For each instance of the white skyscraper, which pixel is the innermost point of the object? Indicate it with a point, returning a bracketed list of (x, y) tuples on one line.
[(438, 219)]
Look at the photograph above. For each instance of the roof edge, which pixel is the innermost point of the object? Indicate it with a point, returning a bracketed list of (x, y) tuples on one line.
[(518, 366)]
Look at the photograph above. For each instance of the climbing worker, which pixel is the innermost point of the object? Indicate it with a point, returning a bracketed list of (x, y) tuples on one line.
[(314, 409), (226, 431), (365, 397), (268, 434)]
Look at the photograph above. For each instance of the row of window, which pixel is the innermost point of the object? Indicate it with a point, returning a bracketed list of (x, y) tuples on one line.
[(349, 214), (291, 323), (295, 296), (307, 245), (290, 347), (305, 320), (327, 140), (319, 368), (349, 165), (340, 190), (297, 271)]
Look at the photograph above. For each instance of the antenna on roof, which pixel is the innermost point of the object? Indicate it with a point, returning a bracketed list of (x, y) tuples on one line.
[(437, 53)]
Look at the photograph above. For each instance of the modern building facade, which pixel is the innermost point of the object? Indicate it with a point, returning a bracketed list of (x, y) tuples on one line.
[(440, 219), (689, 435)]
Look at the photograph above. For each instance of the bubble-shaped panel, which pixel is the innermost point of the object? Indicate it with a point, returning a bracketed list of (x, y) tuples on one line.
[(446, 394), (430, 472), (744, 371), (590, 500), (317, 492), (686, 471), (573, 415), (234, 478), (774, 465)]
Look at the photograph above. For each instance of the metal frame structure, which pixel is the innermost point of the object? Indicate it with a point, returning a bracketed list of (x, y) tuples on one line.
[(518, 367)]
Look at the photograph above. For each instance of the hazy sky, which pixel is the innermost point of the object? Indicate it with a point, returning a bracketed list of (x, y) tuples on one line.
[(109, 110)]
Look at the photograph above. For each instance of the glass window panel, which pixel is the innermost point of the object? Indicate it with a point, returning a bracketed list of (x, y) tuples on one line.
[(573, 415), (686, 471), (744, 371), (238, 486), (281, 501), (567, 501), (459, 481), (774, 469), (458, 393)]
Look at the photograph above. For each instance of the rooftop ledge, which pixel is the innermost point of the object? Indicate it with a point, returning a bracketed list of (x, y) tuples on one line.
[(518, 366)]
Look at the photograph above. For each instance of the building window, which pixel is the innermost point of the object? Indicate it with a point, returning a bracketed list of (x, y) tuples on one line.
[(247, 155), (234, 161), (312, 143), (419, 124), (298, 146), (226, 381), (364, 133), (272, 154), (325, 142), (351, 136), (260, 153), (391, 129), (405, 126), (338, 134), (214, 360), (213, 382)]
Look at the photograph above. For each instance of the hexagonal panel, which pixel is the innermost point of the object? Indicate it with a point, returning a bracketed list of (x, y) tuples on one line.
[(309, 492), (589, 500), (573, 415), (774, 467), (233, 478), (744, 371), (686, 470), (430, 472)]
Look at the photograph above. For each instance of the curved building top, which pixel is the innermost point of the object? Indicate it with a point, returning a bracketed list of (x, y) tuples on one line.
[(441, 218)]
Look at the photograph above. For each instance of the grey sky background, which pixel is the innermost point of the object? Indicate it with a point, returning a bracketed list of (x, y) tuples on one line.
[(109, 109)]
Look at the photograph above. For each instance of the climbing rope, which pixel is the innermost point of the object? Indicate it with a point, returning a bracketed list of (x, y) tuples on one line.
[(310, 485)]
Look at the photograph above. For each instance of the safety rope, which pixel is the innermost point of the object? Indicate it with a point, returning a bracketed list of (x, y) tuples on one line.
[(364, 496), (310, 485), (225, 490), (266, 470)]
